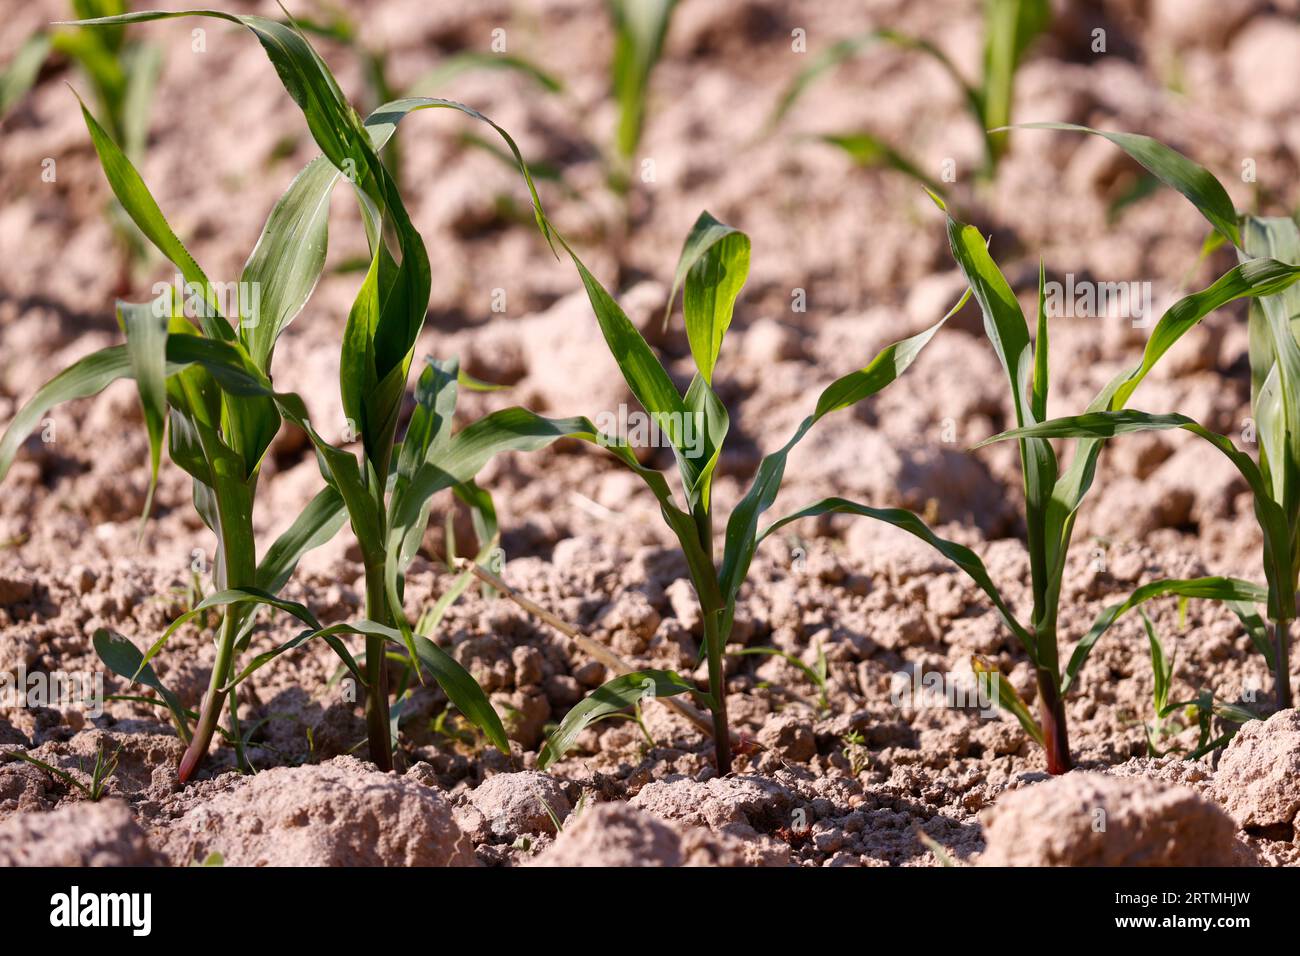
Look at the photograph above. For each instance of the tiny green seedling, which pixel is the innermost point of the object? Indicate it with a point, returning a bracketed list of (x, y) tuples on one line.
[(1171, 718), (1010, 26), (855, 752), (816, 673), (99, 773)]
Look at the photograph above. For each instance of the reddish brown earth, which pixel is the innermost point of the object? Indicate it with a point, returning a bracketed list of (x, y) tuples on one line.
[(866, 782)]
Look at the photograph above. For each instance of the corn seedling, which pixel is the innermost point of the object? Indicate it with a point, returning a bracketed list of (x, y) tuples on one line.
[(217, 435), (1010, 26), (640, 27), (121, 73), (710, 274), (211, 383), (1274, 352), (1053, 495)]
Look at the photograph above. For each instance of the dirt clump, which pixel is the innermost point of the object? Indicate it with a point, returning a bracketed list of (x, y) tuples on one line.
[(512, 804), (1258, 779), (1095, 819), (616, 834), (340, 813), (80, 834)]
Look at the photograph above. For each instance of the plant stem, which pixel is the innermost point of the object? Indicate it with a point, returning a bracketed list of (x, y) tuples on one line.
[(714, 648), (1282, 658), (377, 725), (718, 688), (213, 700), (1051, 716)]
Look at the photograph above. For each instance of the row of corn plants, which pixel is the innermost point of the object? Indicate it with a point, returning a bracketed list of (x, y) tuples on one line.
[(207, 393)]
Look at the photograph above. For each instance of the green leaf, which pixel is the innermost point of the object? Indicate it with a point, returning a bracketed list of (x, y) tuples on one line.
[(1005, 326), (467, 61), (462, 690), (1173, 169), (713, 266), (1004, 695), (850, 47), (1009, 27), (610, 698), (1212, 588), (86, 377), (288, 259), (22, 71), (639, 30), (142, 65), (146, 346), (742, 528), (125, 660), (963, 557), (235, 595), (641, 370), (1162, 668), (815, 676), (1041, 380), (871, 152), (1252, 278), (139, 203), (1255, 626), (324, 515), (1274, 352)]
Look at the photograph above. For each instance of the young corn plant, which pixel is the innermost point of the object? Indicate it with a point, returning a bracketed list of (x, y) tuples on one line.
[(386, 494), (190, 363), (1269, 252), (122, 75), (207, 386), (710, 274), (1010, 26), (1052, 494)]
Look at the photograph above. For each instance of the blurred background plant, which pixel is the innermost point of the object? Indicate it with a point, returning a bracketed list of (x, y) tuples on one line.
[(121, 74)]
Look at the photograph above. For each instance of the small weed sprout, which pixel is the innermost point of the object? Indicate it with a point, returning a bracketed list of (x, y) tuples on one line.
[(1171, 718), (98, 774), (856, 753), (817, 673)]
